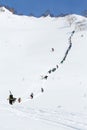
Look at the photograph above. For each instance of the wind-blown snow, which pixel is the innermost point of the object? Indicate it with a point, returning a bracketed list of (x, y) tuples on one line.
[(26, 56)]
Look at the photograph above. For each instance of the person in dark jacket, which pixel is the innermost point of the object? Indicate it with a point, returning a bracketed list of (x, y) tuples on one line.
[(42, 90), (11, 98), (31, 95)]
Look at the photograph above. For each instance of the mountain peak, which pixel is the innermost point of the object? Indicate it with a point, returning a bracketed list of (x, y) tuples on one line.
[(5, 10)]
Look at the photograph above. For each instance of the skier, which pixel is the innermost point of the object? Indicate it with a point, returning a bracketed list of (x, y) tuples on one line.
[(19, 100), (54, 69), (52, 49), (42, 90), (49, 71), (32, 95), (44, 77), (57, 66), (11, 98)]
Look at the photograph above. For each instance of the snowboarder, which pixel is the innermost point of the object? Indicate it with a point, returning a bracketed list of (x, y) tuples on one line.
[(11, 98)]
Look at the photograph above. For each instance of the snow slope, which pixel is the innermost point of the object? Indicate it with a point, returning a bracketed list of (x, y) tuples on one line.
[(26, 56)]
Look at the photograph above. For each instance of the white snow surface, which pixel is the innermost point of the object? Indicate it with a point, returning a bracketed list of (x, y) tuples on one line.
[(26, 56)]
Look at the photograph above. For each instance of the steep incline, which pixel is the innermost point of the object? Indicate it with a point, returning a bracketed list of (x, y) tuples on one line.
[(26, 56)]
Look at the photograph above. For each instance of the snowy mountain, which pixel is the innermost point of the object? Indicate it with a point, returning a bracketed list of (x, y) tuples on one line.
[(48, 53)]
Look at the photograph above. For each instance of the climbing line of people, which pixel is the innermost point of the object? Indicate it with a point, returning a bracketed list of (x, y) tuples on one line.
[(64, 58), (70, 45), (49, 72), (12, 99)]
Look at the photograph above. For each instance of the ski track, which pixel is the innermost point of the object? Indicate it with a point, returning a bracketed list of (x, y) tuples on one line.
[(56, 118), (65, 119)]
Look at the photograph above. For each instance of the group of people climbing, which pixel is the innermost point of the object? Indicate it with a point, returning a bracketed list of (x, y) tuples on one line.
[(50, 71), (12, 99)]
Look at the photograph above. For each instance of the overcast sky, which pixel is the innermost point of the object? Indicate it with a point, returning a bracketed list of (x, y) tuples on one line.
[(37, 7)]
